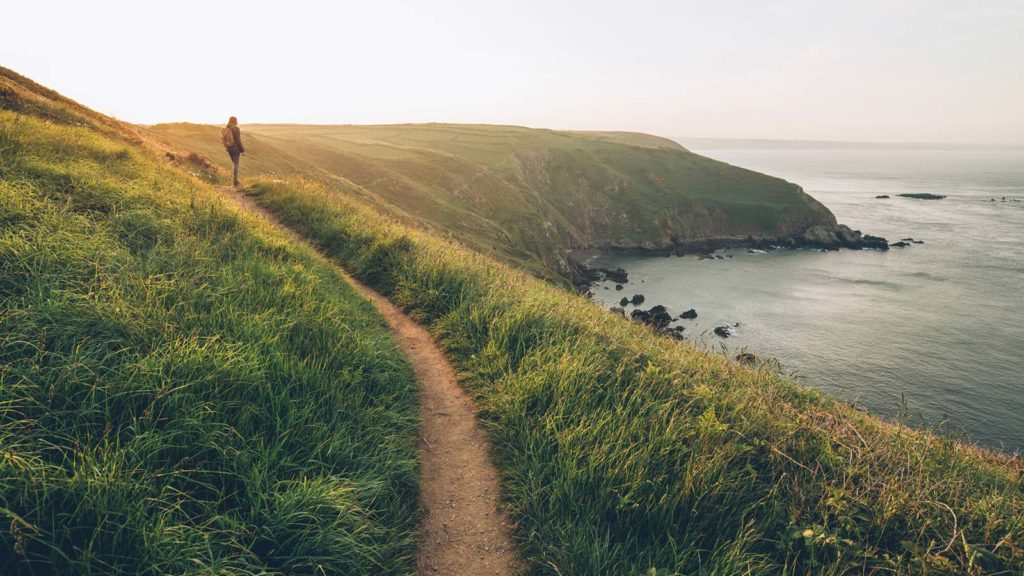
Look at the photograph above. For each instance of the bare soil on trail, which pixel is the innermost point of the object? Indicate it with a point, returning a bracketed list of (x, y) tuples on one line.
[(465, 530)]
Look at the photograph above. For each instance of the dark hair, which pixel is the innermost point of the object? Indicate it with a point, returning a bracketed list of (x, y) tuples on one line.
[(232, 121)]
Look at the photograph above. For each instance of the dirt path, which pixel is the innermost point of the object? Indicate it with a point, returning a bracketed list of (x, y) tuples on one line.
[(465, 531)]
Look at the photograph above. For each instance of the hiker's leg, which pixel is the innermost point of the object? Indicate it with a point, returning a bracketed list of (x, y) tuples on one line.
[(234, 160)]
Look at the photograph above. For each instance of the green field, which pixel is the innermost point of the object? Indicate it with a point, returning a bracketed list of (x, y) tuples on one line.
[(624, 452), (182, 391), (525, 195)]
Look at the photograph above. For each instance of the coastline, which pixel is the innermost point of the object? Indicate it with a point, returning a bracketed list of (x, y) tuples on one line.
[(822, 238)]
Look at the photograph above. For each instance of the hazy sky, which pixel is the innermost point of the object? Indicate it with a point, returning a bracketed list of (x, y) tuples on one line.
[(873, 70)]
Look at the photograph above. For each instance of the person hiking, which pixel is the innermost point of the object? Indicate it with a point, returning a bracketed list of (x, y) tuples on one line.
[(231, 137)]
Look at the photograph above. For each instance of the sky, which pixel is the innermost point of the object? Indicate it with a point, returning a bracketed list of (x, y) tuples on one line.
[(865, 70)]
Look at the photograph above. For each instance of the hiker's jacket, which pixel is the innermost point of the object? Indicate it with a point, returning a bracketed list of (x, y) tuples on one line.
[(237, 147)]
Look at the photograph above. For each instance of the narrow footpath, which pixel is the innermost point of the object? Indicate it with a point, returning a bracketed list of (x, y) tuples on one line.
[(465, 531)]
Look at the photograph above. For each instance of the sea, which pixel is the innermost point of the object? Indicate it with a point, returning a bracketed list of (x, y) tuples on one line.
[(931, 334)]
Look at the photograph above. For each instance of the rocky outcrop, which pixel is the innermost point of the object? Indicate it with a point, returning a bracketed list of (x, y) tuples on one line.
[(838, 236), (922, 196)]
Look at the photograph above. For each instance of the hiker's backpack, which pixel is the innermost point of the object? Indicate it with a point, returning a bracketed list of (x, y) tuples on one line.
[(227, 136)]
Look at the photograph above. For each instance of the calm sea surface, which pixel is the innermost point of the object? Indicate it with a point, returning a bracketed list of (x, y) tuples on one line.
[(939, 323)]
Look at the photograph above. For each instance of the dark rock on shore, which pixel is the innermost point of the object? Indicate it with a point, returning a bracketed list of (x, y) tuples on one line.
[(840, 236), (882, 196), (828, 236), (657, 317), (618, 286), (637, 300), (624, 302), (746, 358), (688, 315), (922, 196), (723, 331), (617, 275)]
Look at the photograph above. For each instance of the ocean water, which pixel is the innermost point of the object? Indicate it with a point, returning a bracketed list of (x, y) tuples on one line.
[(933, 332)]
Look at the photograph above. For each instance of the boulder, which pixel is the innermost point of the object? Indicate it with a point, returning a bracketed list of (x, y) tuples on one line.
[(688, 315), (618, 286), (723, 331), (676, 333), (657, 317), (882, 196), (637, 300), (624, 302), (746, 358), (617, 275)]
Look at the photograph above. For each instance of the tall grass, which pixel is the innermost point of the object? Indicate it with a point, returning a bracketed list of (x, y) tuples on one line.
[(623, 452), (181, 391)]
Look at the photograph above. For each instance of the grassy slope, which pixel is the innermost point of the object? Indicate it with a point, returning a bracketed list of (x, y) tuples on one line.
[(527, 195), (181, 390), (623, 452)]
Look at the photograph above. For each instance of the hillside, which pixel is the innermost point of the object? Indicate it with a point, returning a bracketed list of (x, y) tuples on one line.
[(182, 390), (531, 195), (623, 452), (186, 390)]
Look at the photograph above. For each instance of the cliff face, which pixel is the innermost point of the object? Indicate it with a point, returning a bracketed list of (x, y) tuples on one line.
[(531, 195)]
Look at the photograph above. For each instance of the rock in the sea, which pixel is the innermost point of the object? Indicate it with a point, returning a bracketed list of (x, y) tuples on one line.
[(637, 300), (617, 275), (618, 286), (841, 236), (688, 315), (882, 196), (624, 302), (640, 315), (723, 331), (912, 241), (598, 274), (899, 244), (922, 196), (746, 358), (656, 316)]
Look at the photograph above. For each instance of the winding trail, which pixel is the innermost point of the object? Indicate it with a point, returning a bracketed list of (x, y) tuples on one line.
[(465, 530)]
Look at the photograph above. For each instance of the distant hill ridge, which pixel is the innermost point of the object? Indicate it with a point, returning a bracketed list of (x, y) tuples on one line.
[(777, 144), (532, 195)]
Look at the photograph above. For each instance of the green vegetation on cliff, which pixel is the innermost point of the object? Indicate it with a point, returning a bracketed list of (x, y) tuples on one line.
[(528, 195), (184, 391), (624, 452), (181, 390)]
